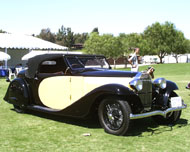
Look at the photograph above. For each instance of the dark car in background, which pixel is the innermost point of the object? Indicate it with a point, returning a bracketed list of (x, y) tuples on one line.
[(81, 85)]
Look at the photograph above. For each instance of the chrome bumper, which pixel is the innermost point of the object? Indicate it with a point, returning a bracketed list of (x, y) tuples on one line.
[(157, 112)]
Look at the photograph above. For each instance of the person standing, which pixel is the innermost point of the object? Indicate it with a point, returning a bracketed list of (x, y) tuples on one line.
[(133, 60)]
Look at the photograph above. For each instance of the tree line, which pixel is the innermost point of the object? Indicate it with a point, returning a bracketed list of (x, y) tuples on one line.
[(157, 39), (65, 37)]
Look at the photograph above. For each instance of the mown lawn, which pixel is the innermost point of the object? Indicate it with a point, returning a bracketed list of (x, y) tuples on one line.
[(38, 132)]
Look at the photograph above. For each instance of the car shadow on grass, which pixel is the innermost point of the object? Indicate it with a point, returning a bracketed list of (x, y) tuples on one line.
[(139, 127), (147, 127), (87, 123)]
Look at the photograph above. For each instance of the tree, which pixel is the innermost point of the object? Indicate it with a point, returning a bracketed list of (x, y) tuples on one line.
[(80, 38), (1, 31), (188, 46), (95, 30), (94, 44), (124, 43), (130, 41), (69, 39), (125, 46), (65, 37), (61, 33), (160, 38), (46, 34), (116, 50), (112, 47), (106, 44), (179, 45)]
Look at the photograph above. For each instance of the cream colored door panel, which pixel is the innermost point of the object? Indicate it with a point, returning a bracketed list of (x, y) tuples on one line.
[(62, 91), (77, 88), (54, 92)]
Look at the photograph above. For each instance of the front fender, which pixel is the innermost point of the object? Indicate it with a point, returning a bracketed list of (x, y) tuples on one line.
[(170, 86), (84, 106), (116, 89), (17, 92)]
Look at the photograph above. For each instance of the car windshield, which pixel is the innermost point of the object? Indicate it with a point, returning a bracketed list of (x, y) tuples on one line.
[(77, 62)]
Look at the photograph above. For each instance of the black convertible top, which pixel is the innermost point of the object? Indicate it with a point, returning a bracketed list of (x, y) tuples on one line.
[(34, 62)]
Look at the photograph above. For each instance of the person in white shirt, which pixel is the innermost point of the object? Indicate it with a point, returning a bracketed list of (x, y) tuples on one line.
[(133, 60)]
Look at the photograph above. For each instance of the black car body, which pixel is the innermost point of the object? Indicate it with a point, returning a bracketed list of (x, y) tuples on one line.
[(80, 85)]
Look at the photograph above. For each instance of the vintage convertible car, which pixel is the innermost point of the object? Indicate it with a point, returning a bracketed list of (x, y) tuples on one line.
[(81, 85)]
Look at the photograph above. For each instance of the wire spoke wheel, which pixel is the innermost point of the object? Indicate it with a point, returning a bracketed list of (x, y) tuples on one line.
[(114, 115)]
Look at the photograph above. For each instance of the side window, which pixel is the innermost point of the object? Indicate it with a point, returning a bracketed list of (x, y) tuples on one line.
[(52, 66), (49, 63), (75, 62)]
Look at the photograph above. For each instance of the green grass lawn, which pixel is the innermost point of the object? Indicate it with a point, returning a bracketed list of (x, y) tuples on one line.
[(37, 132)]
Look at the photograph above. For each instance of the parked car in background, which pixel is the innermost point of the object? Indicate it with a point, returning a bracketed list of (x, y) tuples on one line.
[(82, 85)]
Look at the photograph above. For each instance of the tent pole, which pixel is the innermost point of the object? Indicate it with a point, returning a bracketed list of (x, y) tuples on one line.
[(6, 59)]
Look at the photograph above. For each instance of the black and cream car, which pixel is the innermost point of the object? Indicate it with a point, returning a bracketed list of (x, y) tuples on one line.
[(81, 85)]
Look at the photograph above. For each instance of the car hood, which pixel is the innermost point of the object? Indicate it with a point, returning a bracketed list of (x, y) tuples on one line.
[(106, 73)]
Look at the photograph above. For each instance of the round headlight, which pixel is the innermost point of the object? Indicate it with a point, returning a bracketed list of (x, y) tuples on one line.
[(136, 84), (160, 82)]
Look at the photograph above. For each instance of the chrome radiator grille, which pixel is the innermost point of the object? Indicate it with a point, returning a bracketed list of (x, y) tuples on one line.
[(146, 93)]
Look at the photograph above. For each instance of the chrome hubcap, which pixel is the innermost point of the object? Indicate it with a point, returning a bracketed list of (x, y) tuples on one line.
[(114, 116)]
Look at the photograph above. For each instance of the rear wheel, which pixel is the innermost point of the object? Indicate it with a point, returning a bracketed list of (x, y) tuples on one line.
[(114, 115), (171, 117)]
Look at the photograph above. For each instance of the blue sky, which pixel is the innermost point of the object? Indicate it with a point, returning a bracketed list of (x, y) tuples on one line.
[(110, 16)]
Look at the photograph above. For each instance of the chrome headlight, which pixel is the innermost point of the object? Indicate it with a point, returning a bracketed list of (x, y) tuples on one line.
[(136, 84), (160, 82)]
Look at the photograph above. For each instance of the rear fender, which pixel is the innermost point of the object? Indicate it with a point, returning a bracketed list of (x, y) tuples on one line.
[(17, 93)]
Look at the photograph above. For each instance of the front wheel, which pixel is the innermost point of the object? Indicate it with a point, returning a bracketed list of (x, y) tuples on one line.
[(114, 115), (172, 117)]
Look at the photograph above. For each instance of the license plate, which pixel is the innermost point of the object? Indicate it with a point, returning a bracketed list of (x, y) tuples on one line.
[(176, 102)]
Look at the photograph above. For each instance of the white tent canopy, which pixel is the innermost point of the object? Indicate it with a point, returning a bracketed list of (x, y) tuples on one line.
[(4, 56), (25, 42), (16, 41)]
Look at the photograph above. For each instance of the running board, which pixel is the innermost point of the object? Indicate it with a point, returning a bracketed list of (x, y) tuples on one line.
[(157, 112), (40, 108)]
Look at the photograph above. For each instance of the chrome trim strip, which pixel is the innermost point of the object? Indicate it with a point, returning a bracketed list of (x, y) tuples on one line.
[(158, 112)]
